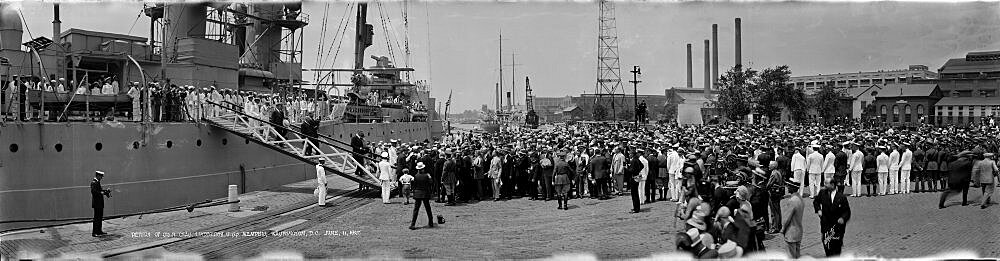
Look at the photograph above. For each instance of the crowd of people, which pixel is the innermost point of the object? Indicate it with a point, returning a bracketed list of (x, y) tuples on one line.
[(733, 183), (170, 103)]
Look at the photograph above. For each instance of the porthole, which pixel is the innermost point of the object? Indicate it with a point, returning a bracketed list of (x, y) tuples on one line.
[(170, 144), (198, 143), (13, 148), (135, 145), (246, 141), (58, 147), (98, 146), (224, 141)]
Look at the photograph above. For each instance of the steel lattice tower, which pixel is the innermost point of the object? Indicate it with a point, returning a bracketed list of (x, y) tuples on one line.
[(609, 80)]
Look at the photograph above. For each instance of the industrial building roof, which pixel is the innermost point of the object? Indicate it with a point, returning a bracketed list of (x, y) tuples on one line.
[(907, 90), (971, 64), (858, 91), (962, 101)]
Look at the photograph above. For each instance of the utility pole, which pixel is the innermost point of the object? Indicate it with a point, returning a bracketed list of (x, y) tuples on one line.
[(635, 92)]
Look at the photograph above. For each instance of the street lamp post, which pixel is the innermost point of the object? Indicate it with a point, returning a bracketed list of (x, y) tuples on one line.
[(635, 92)]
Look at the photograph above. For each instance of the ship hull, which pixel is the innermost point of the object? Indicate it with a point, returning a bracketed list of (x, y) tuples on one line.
[(46, 168)]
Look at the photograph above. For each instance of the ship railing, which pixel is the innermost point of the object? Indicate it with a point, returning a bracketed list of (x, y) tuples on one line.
[(267, 132), (325, 138), (340, 161), (320, 135)]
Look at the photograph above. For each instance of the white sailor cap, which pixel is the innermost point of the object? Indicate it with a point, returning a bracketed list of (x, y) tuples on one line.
[(99, 172)]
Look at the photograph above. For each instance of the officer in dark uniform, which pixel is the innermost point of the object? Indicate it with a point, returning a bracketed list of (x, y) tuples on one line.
[(97, 194), (632, 177)]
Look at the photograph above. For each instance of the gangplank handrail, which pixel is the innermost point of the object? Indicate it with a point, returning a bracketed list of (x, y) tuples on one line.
[(289, 128), (271, 130), (320, 135)]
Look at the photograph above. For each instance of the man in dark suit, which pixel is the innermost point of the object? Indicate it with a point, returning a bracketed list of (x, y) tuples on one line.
[(449, 177), (439, 161), (632, 175), (278, 119), (600, 165), (834, 213), (358, 146), (421, 187), (840, 165), (466, 190), (310, 127), (97, 194), (653, 172), (959, 175), (784, 162), (523, 177)]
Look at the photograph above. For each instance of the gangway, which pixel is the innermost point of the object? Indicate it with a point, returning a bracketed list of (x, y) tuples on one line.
[(294, 143), (325, 139)]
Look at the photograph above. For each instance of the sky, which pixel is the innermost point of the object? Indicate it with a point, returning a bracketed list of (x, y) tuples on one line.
[(555, 42)]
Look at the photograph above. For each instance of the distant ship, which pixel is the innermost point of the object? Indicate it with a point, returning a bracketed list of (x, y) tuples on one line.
[(49, 158)]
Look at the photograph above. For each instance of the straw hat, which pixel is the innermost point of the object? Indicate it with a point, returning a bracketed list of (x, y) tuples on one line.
[(697, 220), (729, 249)]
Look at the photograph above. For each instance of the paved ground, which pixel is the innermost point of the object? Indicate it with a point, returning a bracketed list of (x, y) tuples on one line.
[(891, 226), (136, 231)]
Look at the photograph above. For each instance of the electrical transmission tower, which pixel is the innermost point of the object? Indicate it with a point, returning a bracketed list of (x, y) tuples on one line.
[(609, 90)]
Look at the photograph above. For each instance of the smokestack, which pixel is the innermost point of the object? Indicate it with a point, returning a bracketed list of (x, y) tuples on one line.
[(509, 106), (715, 56), (56, 23), (690, 80), (708, 69), (739, 61)]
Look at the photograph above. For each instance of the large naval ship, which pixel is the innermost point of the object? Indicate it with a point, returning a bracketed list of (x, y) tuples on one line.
[(52, 142)]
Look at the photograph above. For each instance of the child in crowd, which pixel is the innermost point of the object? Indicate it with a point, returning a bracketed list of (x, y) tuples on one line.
[(405, 179)]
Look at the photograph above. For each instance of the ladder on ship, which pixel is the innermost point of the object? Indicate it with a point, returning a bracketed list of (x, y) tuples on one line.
[(294, 144)]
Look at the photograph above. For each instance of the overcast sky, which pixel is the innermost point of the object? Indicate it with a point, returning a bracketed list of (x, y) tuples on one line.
[(556, 42)]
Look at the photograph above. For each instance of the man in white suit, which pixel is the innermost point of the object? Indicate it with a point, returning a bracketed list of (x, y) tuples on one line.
[(829, 170), (855, 165), (642, 175), (321, 183), (799, 167), (675, 164), (882, 161), (814, 166), (894, 166), (905, 165), (386, 176)]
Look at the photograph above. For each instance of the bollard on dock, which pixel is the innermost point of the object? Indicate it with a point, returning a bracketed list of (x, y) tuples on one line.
[(234, 196)]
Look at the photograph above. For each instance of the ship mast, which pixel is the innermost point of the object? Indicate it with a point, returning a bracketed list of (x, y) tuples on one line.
[(406, 35), (500, 63), (363, 38)]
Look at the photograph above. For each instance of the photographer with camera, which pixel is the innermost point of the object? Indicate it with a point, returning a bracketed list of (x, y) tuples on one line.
[(97, 194)]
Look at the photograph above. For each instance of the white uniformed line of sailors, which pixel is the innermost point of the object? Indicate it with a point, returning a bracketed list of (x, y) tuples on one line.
[(256, 105)]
